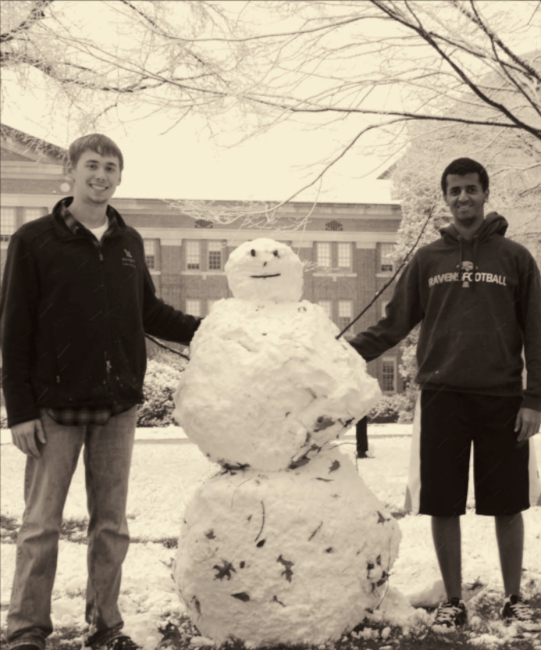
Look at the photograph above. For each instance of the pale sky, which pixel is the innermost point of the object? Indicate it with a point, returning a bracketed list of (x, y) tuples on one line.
[(186, 162)]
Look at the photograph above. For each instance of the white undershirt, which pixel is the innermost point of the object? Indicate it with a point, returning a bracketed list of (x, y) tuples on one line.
[(99, 232)]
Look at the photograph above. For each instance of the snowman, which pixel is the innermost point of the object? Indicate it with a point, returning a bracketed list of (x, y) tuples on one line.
[(285, 544)]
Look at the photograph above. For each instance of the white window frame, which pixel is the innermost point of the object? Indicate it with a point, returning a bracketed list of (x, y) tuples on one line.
[(327, 306), (386, 361), (29, 214), (324, 254), (150, 253), (345, 313), (214, 247), (8, 222), (193, 255), (193, 306), (385, 264), (344, 255)]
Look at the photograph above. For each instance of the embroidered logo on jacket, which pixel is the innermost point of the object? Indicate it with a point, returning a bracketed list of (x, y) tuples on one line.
[(128, 260)]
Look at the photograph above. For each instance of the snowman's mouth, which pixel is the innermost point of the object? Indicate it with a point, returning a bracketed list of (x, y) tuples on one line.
[(276, 275)]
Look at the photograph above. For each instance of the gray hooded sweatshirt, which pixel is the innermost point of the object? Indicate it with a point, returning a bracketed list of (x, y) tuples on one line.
[(479, 303)]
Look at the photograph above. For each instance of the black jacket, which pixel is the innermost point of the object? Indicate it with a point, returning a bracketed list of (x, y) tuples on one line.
[(73, 314), (480, 305)]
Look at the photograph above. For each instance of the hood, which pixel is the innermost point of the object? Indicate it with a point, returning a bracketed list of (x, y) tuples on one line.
[(494, 224)]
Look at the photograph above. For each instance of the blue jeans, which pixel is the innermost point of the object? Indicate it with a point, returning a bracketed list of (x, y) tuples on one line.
[(107, 457)]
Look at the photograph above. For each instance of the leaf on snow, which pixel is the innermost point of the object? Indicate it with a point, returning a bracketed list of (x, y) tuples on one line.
[(287, 564), (223, 571), (242, 596)]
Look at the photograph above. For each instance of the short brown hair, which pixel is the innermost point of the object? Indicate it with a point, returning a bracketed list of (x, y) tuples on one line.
[(97, 142)]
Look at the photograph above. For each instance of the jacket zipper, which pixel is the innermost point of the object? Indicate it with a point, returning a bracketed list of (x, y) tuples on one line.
[(108, 366)]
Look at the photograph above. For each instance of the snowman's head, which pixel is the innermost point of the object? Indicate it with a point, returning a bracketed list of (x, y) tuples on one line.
[(264, 269)]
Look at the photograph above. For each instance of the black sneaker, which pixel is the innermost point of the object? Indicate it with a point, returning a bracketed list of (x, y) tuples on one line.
[(121, 642), (450, 615), (515, 610)]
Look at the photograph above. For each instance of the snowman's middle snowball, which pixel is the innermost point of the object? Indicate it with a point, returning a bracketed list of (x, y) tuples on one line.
[(269, 384)]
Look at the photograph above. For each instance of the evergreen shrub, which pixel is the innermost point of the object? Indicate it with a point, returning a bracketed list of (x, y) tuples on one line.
[(161, 383), (393, 408)]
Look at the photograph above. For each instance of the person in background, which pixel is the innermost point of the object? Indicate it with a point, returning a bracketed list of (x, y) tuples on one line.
[(77, 300), (477, 296), (361, 431)]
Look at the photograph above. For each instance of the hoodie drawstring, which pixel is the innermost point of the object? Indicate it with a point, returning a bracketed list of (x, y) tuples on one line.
[(475, 247)]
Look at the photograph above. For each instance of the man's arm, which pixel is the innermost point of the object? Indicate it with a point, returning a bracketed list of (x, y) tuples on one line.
[(164, 321), (529, 417), (18, 307), (403, 312)]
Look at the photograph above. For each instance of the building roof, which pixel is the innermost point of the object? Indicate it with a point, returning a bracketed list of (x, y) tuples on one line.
[(31, 147)]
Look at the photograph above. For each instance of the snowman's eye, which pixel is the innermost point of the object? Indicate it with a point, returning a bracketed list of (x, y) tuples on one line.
[(275, 253), (252, 252)]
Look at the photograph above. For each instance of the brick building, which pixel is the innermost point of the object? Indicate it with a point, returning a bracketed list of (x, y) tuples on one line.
[(345, 245)]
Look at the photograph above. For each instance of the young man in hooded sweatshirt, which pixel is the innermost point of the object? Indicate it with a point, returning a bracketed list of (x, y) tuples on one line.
[(477, 296), (77, 300)]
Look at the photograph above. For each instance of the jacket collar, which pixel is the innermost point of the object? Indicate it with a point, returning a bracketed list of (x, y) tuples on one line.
[(68, 227)]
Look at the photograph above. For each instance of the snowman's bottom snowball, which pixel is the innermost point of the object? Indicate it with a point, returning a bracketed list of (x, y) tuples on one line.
[(286, 557)]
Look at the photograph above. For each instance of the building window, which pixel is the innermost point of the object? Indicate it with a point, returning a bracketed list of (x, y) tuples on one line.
[(345, 313), (327, 306), (29, 214), (334, 225), (388, 375), (324, 254), (150, 252), (193, 254), (203, 223), (8, 223), (344, 255), (193, 307), (215, 255), (386, 263)]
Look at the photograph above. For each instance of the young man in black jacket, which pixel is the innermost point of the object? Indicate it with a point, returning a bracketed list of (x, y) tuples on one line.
[(77, 300), (477, 296)]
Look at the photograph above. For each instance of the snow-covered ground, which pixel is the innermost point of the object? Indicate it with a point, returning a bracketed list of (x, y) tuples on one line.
[(167, 469)]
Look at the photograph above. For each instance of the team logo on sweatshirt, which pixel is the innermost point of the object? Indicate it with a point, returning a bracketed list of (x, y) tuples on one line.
[(466, 276), (467, 268)]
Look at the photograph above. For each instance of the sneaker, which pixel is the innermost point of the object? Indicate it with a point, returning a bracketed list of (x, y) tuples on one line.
[(121, 642), (450, 615), (515, 610), (171, 637)]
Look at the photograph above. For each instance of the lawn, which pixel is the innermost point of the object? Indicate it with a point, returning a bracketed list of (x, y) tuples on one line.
[(165, 472)]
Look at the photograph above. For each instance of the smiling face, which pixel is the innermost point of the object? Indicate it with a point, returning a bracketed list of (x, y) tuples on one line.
[(95, 178), (466, 200), (264, 269)]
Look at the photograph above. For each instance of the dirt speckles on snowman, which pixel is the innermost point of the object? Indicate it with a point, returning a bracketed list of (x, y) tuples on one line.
[(286, 544)]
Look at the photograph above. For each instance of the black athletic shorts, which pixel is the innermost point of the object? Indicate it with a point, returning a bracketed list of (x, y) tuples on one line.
[(449, 424)]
